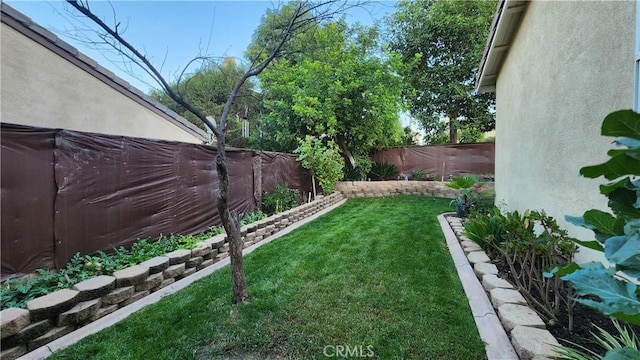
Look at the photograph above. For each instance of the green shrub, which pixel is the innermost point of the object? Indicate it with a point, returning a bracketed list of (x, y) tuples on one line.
[(462, 182), (17, 292), (252, 217), (360, 171), (281, 199), (419, 174), (324, 161), (510, 238), (383, 171)]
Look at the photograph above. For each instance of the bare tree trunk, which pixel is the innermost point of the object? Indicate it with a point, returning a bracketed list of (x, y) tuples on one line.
[(231, 226)]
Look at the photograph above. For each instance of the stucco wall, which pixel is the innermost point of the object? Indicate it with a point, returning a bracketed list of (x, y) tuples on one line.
[(40, 88), (570, 64)]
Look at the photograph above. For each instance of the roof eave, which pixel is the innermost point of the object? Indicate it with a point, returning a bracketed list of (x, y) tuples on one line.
[(503, 29)]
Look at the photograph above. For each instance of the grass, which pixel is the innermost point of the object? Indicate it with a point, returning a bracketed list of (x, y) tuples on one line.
[(373, 275)]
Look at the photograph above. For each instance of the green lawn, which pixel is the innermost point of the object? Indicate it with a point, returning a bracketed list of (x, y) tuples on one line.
[(373, 276)]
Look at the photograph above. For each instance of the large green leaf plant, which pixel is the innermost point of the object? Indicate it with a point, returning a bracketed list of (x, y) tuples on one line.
[(613, 289)]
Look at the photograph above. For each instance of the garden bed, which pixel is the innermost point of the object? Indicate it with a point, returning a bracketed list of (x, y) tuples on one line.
[(585, 319), (54, 315)]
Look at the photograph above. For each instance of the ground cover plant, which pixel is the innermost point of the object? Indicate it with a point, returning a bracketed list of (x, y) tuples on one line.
[(373, 275), (17, 292), (282, 198)]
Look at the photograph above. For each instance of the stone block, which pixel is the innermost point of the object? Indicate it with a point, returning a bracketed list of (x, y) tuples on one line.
[(104, 311), (221, 256), (500, 296), (151, 282), (135, 297), (178, 256), (13, 353), (49, 336), (478, 257), (194, 262), (118, 295), (53, 304), (165, 283), (174, 271), (532, 343), (490, 282), (464, 238), (470, 244), (187, 272), (157, 264), (95, 287), (131, 276), (12, 320), (80, 313), (512, 315), (204, 264), (482, 269), (200, 250), (225, 248), (216, 241), (30, 332)]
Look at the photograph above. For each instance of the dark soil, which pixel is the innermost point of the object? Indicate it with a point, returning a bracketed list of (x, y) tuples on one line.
[(584, 321)]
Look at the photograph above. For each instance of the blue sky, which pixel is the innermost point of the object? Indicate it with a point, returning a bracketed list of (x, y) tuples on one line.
[(172, 32)]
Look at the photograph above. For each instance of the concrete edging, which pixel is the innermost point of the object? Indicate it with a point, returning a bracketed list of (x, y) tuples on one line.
[(125, 312), (497, 343)]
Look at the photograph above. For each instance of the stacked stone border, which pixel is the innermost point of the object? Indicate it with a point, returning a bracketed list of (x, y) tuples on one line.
[(353, 189), (527, 331), (52, 316)]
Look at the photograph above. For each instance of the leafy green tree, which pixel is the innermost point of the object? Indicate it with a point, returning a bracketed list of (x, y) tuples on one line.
[(441, 41), (409, 136), (340, 84), (208, 89), (324, 161)]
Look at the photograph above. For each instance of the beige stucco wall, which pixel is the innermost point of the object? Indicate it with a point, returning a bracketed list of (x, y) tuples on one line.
[(40, 88), (570, 64)]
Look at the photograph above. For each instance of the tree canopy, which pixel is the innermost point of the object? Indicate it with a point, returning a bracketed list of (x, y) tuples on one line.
[(441, 41), (334, 83), (208, 89)]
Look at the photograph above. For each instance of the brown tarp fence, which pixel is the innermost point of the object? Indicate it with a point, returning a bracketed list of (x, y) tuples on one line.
[(443, 160), (65, 191)]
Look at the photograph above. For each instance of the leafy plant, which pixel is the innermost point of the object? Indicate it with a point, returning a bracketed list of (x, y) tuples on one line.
[(17, 292), (617, 235), (419, 174), (625, 345), (462, 182), (324, 161), (510, 238), (383, 171), (360, 171), (281, 199), (254, 216)]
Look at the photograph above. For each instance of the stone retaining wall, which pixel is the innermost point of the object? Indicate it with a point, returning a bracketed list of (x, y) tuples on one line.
[(54, 315), (387, 188), (527, 331)]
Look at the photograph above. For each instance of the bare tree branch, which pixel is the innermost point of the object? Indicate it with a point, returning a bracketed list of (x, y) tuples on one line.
[(305, 16)]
